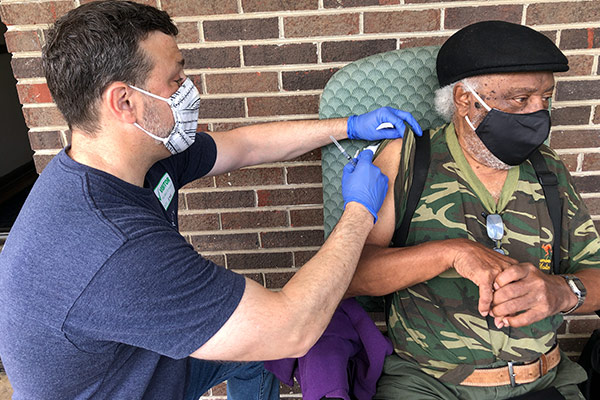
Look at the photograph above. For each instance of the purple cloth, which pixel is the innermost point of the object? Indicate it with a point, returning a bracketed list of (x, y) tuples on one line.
[(346, 361)]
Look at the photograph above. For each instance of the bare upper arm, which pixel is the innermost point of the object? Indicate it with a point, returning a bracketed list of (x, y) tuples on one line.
[(388, 161), (255, 331)]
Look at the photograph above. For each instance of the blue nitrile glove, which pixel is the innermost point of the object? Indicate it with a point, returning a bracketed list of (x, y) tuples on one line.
[(364, 126), (364, 183)]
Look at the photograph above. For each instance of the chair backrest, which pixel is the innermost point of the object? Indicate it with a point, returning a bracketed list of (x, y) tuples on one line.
[(404, 79)]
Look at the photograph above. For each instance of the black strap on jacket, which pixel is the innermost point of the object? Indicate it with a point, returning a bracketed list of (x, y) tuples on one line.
[(548, 180), (549, 183), (420, 170)]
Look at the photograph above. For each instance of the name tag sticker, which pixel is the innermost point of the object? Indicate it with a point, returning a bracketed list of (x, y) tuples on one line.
[(165, 190)]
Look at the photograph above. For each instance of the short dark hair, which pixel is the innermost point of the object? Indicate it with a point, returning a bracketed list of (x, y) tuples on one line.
[(93, 46)]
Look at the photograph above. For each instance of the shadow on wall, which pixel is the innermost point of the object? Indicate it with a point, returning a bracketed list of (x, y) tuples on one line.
[(17, 170)]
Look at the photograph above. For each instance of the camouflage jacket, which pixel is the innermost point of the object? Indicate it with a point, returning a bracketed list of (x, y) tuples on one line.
[(436, 323)]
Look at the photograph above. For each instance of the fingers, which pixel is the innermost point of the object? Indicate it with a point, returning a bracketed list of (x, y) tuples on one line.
[(513, 273), (408, 118), (486, 295)]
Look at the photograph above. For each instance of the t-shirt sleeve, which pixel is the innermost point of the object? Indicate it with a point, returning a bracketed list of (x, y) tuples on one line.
[(196, 161), (156, 292), (580, 242)]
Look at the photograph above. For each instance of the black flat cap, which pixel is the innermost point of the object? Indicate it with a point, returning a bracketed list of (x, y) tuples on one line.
[(496, 46)]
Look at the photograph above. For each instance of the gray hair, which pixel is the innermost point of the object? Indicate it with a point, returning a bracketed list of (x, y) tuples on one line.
[(444, 97)]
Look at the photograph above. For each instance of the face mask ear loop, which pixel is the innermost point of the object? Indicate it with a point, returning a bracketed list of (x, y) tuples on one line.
[(153, 136), (150, 94), (470, 89), (469, 122)]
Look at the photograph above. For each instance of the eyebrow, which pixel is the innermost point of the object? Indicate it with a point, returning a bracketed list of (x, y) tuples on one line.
[(513, 91)]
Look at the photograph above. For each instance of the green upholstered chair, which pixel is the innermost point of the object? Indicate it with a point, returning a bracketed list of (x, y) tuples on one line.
[(404, 79)]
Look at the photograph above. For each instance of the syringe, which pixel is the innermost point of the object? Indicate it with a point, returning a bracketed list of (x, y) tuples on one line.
[(343, 151)]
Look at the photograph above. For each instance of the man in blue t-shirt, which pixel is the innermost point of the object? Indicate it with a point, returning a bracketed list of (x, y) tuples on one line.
[(101, 296)]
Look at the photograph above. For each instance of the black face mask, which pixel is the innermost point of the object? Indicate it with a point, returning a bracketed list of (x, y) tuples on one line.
[(512, 138)]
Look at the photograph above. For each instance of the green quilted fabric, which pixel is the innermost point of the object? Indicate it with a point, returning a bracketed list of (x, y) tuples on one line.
[(404, 79)]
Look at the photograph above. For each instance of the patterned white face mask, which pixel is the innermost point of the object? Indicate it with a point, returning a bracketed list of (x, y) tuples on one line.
[(185, 104)]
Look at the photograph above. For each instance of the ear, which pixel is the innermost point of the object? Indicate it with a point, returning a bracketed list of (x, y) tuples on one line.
[(120, 102), (462, 100)]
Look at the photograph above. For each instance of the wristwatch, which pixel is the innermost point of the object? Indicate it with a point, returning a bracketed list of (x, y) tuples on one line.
[(578, 289)]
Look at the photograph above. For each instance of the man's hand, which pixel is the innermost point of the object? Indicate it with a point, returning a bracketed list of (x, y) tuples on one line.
[(365, 126), (481, 266), (525, 295), (364, 183)]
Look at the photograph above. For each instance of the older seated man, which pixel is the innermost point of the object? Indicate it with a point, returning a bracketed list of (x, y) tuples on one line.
[(476, 298)]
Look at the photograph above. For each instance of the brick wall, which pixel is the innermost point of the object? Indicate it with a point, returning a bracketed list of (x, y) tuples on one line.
[(267, 60)]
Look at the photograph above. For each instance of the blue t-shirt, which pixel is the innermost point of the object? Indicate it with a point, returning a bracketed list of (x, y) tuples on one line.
[(100, 296)]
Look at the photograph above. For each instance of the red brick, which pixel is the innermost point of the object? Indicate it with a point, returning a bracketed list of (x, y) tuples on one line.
[(221, 108), (221, 57), (179, 8), (278, 5), (584, 325), (251, 177), (244, 29), (424, 41), (300, 53), (304, 174), (321, 25), (188, 32), (307, 80), (23, 41), (572, 345), (302, 257), (307, 217), (570, 160), (260, 260), (574, 139), (597, 115), (198, 222), (205, 182), (402, 21), (29, 67), (580, 38), (277, 280), (197, 79), (41, 160), (357, 3), (218, 259), (279, 197), (34, 93), (579, 65), (242, 83), (254, 219), (597, 225), (354, 50), (591, 162), (216, 242), (227, 199), (460, 17), (45, 140), (181, 202), (587, 184), (563, 13), (571, 115), (577, 90), (256, 277), (37, 12), (593, 205), (283, 105), (43, 116), (563, 327), (300, 238)]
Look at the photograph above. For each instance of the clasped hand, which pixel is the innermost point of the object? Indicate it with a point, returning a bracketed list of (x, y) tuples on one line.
[(515, 294)]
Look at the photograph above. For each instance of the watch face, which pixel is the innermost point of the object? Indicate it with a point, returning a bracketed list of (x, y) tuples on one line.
[(579, 286)]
